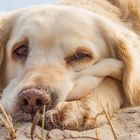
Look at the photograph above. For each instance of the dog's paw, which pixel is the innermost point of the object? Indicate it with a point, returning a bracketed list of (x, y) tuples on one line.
[(52, 119), (67, 115), (75, 115)]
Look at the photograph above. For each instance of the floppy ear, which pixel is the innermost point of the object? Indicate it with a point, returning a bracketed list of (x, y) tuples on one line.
[(125, 45), (1, 56), (4, 35)]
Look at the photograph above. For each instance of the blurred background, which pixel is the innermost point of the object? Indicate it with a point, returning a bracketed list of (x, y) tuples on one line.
[(9, 5)]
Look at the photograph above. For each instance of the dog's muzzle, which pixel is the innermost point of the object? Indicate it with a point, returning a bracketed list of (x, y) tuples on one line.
[(33, 99)]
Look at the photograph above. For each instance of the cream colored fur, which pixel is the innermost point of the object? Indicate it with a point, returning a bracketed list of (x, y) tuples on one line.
[(108, 29)]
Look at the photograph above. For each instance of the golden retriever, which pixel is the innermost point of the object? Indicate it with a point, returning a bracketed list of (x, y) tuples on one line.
[(73, 57)]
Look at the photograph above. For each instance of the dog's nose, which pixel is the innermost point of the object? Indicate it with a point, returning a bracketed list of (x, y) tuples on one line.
[(33, 99)]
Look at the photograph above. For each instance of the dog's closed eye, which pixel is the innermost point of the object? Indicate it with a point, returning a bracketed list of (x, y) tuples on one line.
[(79, 56), (21, 50)]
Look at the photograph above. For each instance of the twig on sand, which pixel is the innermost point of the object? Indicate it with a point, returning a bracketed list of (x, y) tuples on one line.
[(7, 121), (34, 124), (109, 121)]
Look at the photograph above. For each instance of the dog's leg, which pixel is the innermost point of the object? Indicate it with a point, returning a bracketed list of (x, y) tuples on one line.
[(91, 77), (83, 86), (88, 112), (106, 67)]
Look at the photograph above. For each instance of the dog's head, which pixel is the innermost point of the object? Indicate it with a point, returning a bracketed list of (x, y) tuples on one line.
[(42, 48)]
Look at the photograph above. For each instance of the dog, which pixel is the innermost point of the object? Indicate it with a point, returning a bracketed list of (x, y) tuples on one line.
[(76, 58)]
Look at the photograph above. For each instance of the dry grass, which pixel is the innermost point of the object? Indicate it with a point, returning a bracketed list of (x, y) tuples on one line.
[(43, 122), (35, 122), (7, 122), (109, 120), (97, 133)]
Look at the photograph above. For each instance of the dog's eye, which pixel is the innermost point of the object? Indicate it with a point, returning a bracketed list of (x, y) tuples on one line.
[(78, 56), (21, 52)]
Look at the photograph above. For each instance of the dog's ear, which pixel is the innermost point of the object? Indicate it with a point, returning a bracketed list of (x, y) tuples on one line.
[(125, 46), (4, 36), (2, 51)]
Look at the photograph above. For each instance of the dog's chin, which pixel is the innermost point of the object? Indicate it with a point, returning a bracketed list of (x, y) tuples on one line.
[(22, 116)]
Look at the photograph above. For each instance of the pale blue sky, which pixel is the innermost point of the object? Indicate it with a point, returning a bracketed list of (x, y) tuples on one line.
[(8, 5)]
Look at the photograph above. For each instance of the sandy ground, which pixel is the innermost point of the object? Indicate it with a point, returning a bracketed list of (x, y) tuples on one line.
[(125, 123)]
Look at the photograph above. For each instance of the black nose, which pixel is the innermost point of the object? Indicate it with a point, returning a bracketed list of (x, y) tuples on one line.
[(34, 99)]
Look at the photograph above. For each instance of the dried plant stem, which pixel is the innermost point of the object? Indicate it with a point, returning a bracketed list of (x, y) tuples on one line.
[(7, 121), (34, 124), (109, 121), (83, 137), (43, 122), (97, 134)]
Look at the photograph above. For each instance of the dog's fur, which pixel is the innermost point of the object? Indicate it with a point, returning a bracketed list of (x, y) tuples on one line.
[(106, 30)]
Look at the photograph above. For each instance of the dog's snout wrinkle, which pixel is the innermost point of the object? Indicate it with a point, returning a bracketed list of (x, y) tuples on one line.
[(34, 99)]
